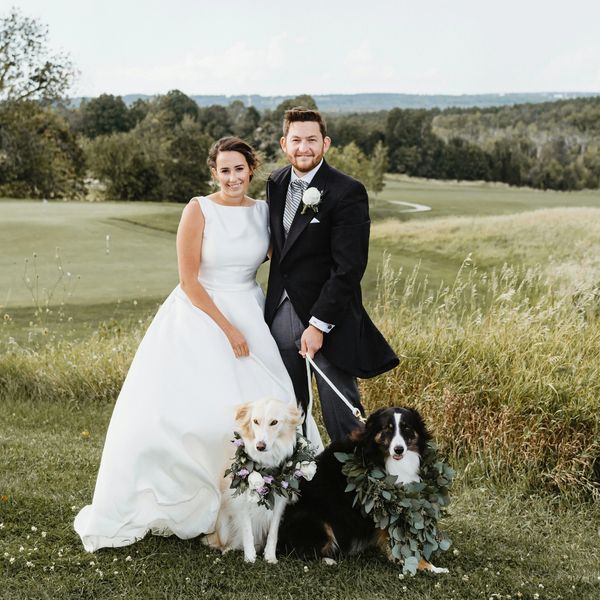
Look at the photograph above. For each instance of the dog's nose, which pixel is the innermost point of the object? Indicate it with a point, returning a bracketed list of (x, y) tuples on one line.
[(398, 449), (261, 446)]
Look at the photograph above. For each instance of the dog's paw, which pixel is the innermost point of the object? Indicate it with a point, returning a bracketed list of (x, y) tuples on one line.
[(271, 558), (330, 562), (438, 570), (249, 557)]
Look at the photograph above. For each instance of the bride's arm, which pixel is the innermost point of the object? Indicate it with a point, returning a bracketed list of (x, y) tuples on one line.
[(189, 249)]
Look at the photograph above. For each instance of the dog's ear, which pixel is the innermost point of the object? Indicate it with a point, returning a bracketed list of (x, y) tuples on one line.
[(295, 415), (242, 414)]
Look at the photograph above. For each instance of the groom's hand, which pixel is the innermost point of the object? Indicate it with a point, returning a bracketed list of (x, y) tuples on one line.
[(311, 341)]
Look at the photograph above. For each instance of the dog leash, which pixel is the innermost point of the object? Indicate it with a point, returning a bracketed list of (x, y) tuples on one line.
[(310, 362)]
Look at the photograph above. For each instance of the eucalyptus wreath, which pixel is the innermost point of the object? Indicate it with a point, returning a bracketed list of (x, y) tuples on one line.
[(410, 511), (262, 483)]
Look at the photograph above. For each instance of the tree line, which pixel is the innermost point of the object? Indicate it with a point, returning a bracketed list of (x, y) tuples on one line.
[(156, 149)]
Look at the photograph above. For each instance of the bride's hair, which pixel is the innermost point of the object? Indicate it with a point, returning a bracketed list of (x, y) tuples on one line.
[(233, 144)]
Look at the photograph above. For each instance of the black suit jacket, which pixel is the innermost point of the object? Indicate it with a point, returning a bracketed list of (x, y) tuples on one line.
[(320, 265)]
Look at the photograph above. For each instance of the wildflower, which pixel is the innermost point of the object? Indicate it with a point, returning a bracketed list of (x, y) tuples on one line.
[(238, 442), (455, 552), (305, 569), (268, 479), (115, 559), (85, 434), (92, 563), (74, 508), (285, 484), (33, 528), (4, 498), (115, 572), (400, 575), (128, 559), (6, 317), (465, 578), (44, 534), (6, 555), (12, 560), (21, 549), (1, 525), (29, 564), (243, 473), (187, 579), (536, 596), (135, 302), (100, 572)]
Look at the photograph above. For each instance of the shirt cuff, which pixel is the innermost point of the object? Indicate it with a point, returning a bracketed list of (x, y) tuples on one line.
[(321, 325)]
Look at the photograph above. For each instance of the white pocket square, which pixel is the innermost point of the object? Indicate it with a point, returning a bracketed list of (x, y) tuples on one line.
[(315, 220)]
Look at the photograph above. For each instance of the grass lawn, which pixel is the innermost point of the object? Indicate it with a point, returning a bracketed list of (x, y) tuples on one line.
[(471, 369), (505, 545)]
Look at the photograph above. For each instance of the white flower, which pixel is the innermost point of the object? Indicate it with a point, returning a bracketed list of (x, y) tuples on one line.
[(308, 469), (44, 534), (302, 443), (33, 528), (255, 480), (128, 559), (12, 560), (311, 199)]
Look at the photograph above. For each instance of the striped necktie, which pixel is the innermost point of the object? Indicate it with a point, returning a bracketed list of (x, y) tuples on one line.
[(295, 192)]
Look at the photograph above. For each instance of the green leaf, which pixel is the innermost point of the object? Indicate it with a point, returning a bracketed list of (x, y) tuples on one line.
[(369, 505), (350, 487), (342, 456), (410, 565), (387, 495), (396, 551), (377, 474), (445, 544)]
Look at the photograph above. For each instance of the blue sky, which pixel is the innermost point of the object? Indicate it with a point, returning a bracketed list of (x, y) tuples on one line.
[(274, 47)]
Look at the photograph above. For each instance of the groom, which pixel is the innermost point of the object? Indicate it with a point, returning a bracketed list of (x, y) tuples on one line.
[(320, 225)]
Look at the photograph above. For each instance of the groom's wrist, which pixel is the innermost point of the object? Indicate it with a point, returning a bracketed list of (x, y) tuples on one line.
[(321, 325)]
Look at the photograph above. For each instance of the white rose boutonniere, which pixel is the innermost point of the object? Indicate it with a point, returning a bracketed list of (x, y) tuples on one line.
[(311, 199), (255, 480)]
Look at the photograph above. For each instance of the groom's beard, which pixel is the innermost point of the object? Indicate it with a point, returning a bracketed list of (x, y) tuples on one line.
[(305, 166)]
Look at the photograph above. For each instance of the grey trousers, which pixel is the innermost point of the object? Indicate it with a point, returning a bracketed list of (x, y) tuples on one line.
[(287, 329)]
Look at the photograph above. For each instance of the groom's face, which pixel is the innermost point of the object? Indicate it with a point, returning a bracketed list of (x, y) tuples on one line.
[(304, 145)]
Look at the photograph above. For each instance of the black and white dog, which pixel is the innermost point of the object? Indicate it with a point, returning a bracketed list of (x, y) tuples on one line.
[(323, 523)]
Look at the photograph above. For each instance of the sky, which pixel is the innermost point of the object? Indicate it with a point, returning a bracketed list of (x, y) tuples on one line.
[(279, 47)]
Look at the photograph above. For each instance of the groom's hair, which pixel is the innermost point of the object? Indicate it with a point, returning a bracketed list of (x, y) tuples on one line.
[(301, 113)]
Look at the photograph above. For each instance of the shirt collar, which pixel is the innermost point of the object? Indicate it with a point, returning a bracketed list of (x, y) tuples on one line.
[(308, 177)]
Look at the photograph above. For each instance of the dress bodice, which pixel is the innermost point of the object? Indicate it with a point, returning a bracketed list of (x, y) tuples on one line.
[(235, 243)]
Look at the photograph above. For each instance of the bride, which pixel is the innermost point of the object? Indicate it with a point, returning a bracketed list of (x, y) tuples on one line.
[(207, 350)]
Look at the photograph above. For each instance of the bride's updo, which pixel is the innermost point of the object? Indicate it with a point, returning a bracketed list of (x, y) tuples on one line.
[(233, 144)]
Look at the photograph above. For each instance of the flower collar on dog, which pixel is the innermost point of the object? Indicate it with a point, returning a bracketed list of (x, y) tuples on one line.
[(408, 511), (262, 483)]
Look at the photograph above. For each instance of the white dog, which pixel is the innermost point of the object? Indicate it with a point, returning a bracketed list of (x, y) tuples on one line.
[(268, 430)]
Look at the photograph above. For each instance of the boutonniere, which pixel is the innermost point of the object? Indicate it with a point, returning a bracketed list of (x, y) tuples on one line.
[(311, 199)]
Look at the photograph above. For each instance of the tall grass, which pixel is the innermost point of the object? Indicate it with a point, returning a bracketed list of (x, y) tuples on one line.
[(505, 369)]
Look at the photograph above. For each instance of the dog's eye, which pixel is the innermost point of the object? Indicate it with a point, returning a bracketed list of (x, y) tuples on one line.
[(255, 421), (390, 426), (274, 422)]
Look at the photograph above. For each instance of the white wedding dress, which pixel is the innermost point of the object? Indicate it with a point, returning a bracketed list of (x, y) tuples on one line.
[(169, 438)]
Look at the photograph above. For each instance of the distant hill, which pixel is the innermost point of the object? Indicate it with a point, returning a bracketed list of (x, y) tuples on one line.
[(346, 103)]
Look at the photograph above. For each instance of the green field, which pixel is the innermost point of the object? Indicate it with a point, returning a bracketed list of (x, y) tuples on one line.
[(492, 301)]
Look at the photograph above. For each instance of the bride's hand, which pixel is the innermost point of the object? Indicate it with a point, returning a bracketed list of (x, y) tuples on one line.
[(238, 342)]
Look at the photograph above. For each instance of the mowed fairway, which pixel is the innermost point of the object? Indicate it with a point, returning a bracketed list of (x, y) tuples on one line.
[(125, 251)]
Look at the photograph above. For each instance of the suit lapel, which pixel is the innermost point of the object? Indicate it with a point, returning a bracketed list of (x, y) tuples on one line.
[(278, 187), (302, 220)]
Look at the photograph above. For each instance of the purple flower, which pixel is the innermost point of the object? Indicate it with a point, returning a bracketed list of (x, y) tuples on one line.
[(238, 442), (298, 473), (263, 490), (284, 484), (243, 473), (268, 479)]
